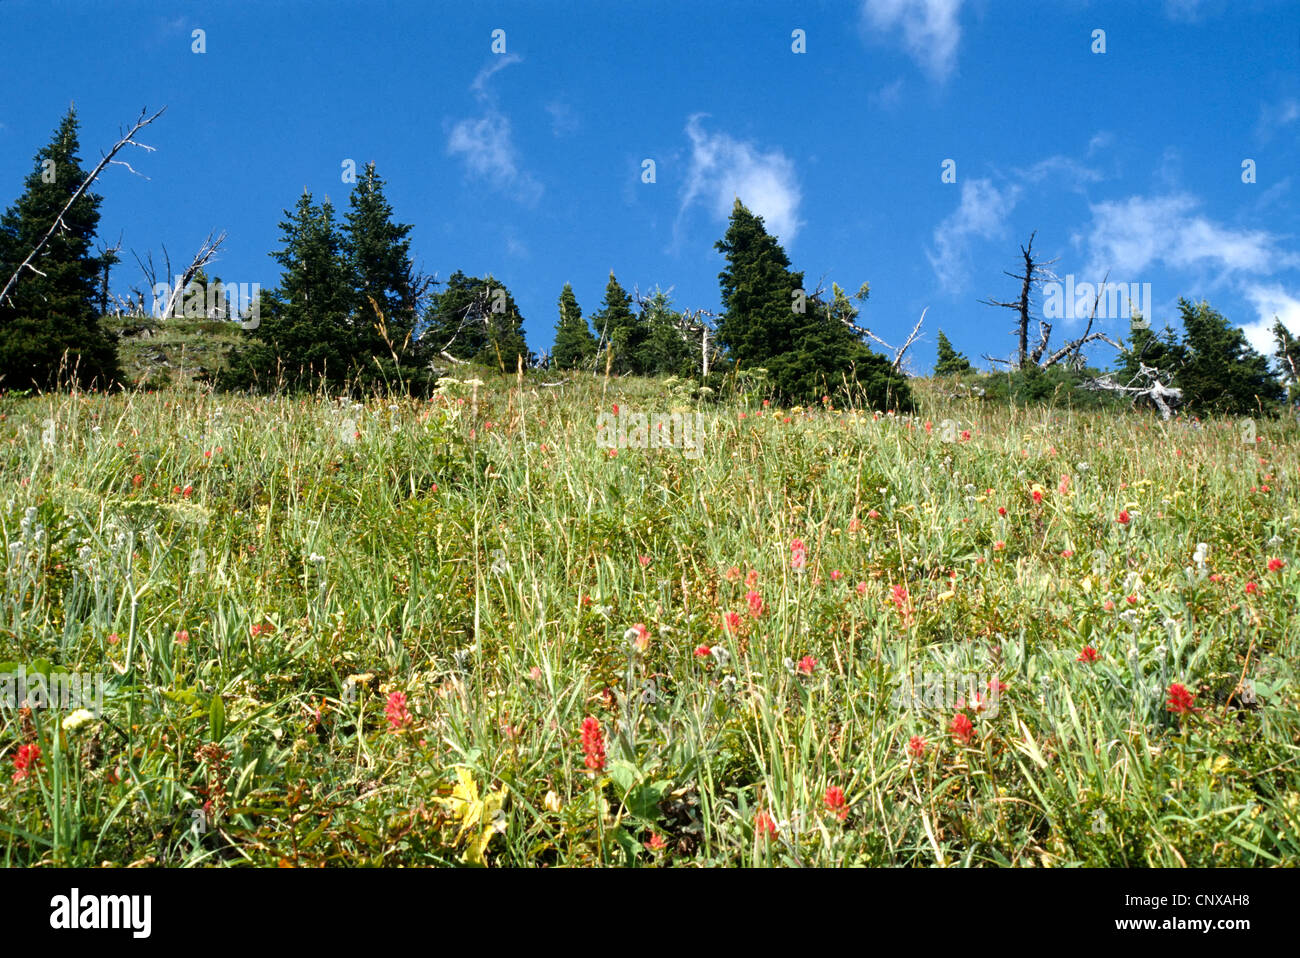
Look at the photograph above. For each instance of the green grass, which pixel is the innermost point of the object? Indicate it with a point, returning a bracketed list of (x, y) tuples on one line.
[(482, 555)]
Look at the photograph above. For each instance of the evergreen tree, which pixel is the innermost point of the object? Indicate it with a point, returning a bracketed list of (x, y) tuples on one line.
[(51, 317), (1164, 353), (1221, 372), (810, 349), (480, 321), (574, 343), (378, 254), (306, 331), (620, 327), (665, 351), (951, 362)]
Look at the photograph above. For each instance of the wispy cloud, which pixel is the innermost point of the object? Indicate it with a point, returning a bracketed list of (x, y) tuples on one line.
[(981, 214), (1273, 117), (723, 168), (486, 143), (930, 29), (563, 120), (1135, 234)]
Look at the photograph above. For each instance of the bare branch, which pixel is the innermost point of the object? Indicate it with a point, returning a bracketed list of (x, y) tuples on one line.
[(141, 122)]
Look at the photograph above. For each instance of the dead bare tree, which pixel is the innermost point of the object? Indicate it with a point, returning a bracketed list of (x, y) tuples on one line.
[(1145, 384), (176, 293), (126, 140), (1035, 273)]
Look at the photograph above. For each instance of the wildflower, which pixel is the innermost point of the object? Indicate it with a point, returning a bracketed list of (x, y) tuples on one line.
[(183, 637), (1251, 588), (733, 574), (1275, 564), (1002, 510), (644, 560), (862, 588), (1123, 517), (836, 803), (763, 824), (701, 651), (965, 435), (1180, 700), (731, 622), (593, 744), (798, 555), (873, 514), (113, 638), (999, 545), (807, 665), (916, 746), (755, 603), (396, 713), (137, 479), (639, 636), (855, 524), (25, 761), (751, 579), (656, 843), (1089, 655), (76, 719), (961, 728)]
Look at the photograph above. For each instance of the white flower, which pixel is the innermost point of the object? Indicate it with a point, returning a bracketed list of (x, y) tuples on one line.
[(77, 719)]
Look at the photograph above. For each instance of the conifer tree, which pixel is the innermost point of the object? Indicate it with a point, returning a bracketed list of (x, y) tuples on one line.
[(378, 254), (950, 362), (574, 343), (1221, 373), (619, 326), (809, 348), (477, 320), (51, 319)]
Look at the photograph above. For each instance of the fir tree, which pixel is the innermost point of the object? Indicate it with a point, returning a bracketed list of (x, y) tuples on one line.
[(1222, 373), (619, 326), (378, 254), (950, 362), (574, 343), (665, 350), (809, 348), (477, 320), (51, 319)]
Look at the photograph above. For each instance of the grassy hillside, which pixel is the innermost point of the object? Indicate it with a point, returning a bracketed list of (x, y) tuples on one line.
[(465, 630)]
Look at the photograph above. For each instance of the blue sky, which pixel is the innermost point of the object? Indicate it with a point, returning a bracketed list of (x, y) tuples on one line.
[(528, 164)]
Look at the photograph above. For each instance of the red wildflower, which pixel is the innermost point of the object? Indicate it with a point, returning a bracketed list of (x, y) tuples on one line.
[(1251, 588), (1122, 518), (1089, 655), (593, 744), (702, 651), (1002, 510), (798, 555), (25, 761), (916, 746), (396, 713), (656, 843), (1275, 564), (731, 622), (751, 578), (961, 728), (755, 603), (807, 665), (836, 803), (733, 574), (1180, 700), (763, 823)]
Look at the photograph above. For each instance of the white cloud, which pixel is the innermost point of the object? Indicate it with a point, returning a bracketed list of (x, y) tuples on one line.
[(982, 214), (1129, 236), (486, 144), (1271, 302), (930, 30), (1100, 141), (563, 120), (723, 168)]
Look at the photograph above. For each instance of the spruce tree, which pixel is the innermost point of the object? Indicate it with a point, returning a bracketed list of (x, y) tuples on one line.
[(1221, 372), (619, 326), (950, 362), (665, 350), (809, 348), (574, 343), (378, 254), (51, 319), (477, 320), (306, 331)]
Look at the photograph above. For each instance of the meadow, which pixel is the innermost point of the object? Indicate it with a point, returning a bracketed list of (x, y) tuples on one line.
[(463, 631)]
